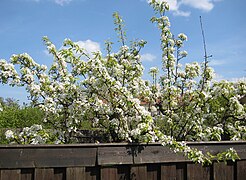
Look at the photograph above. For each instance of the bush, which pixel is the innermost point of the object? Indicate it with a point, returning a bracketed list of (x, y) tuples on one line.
[(20, 117)]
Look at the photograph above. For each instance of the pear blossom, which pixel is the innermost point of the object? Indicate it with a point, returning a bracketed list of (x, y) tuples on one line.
[(9, 134), (109, 91)]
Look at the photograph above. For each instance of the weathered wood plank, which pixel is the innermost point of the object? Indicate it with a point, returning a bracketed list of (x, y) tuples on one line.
[(181, 171), (114, 155), (222, 171), (153, 171), (44, 174), (215, 148), (60, 173), (27, 174), (85, 155), (197, 171), (47, 157), (123, 172), (92, 173), (155, 153), (20, 162), (136, 155), (241, 170), (74, 173), (138, 172), (168, 171), (10, 174), (109, 173)]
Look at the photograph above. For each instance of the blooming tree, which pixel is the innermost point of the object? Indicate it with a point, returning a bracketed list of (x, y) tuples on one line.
[(191, 105), (109, 91)]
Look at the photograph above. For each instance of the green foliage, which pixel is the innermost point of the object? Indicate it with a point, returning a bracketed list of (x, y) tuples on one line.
[(81, 89), (224, 156), (3, 139), (189, 105), (14, 116)]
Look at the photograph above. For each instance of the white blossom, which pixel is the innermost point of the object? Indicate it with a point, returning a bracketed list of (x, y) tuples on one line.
[(9, 134)]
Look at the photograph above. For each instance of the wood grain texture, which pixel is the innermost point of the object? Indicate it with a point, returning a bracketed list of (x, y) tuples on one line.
[(181, 172), (155, 153), (44, 174), (222, 171), (241, 170), (27, 174), (153, 171), (123, 172), (114, 155), (138, 173), (197, 171), (92, 173), (60, 173), (47, 157), (10, 174), (168, 171), (115, 161), (75, 173), (109, 173)]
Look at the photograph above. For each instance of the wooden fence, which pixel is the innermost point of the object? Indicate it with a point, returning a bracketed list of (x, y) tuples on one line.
[(115, 161)]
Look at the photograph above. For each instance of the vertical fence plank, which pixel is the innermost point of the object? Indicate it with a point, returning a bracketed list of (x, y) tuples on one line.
[(108, 173), (27, 174), (197, 171), (75, 173), (153, 171), (15, 164), (181, 171), (222, 171), (13, 174), (168, 171), (92, 173), (60, 174), (241, 170), (44, 174), (123, 172), (139, 172)]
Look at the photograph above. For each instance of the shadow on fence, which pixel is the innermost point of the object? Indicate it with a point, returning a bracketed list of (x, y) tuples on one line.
[(115, 161)]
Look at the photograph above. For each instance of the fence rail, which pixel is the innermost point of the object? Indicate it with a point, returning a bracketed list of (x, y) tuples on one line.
[(115, 161)]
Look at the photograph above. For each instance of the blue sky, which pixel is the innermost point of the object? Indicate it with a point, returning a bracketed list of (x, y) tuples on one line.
[(23, 23)]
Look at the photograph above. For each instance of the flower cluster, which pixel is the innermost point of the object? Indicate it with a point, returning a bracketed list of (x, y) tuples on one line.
[(108, 90), (32, 135), (190, 105)]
